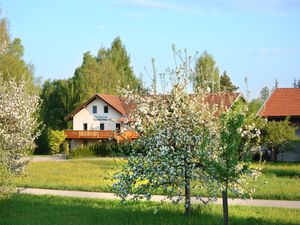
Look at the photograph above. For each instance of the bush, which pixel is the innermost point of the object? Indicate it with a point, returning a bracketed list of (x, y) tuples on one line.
[(56, 139), (82, 152), (103, 149)]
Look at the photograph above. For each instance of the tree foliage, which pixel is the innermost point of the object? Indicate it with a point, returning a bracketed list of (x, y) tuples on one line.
[(106, 73), (278, 135), (231, 165), (18, 130), (12, 64), (56, 139), (226, 84), (207, 73)]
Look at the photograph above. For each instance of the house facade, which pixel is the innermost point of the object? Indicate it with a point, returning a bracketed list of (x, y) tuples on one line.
[(283, 103), (99, 118)]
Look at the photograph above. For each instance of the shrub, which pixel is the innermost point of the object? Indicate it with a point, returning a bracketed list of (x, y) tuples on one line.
[(56, 139), (82, 152), (103, 149)]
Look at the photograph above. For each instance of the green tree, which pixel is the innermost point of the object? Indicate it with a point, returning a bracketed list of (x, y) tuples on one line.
[(87, 79), (207, 73), (226, 84), (278, 135), (57, 103), (264, 93), (119, 57), (12, 64), (56, 139), (231, 164)]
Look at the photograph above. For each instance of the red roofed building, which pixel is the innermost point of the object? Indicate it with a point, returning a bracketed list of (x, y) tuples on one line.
[(283, 102)]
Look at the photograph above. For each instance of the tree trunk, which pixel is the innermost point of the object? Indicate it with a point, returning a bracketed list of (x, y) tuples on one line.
[(187, 190), (274, 155), (225, 206)]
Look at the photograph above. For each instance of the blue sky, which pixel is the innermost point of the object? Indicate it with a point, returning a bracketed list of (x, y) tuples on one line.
[(259, 39)]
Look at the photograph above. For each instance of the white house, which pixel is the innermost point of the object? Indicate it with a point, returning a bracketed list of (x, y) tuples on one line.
[(98, 118)]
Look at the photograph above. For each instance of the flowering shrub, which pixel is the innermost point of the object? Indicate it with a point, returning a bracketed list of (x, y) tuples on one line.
[(18, 130)]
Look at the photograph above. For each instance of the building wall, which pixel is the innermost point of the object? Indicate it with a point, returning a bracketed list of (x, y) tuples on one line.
[(93, 121)]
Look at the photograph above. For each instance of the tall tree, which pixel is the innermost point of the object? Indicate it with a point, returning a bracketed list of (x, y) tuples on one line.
[(105, 73), (264, 93), (87, 79), (226, 84), (119, 57), (207, 73), (12, 64)]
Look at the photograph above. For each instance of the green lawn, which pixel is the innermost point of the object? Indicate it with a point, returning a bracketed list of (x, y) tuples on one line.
[(78, 174), (35, 210), (278, 181)]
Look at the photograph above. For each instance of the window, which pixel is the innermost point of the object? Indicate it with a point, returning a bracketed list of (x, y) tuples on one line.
[(85, 126), (101, 126), (106, 109), (118, 126), (94, 109)]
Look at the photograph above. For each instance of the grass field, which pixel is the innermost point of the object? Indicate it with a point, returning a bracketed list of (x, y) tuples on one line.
[(278, 181), (34, 210)]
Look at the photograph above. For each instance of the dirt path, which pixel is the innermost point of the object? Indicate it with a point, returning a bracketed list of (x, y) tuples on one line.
[(43, 158), (158, 198)]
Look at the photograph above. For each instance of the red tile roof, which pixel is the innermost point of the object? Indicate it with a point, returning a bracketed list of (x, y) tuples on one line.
[(282, 102), (115, 102)]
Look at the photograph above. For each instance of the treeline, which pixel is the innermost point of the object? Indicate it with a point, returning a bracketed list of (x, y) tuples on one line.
[(106, 73)]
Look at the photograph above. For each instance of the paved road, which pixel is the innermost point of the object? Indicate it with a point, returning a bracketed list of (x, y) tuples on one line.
[(158, 198)]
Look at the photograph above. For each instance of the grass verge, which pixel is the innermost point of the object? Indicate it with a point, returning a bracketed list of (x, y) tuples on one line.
[(32, 210), (278, 180)]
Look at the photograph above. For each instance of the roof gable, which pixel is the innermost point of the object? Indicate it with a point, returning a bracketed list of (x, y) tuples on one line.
[(282, 102), (114, 101)]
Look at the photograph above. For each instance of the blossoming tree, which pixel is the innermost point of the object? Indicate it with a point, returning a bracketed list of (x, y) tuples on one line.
[(18, 129), (186, 139), (175, 129)]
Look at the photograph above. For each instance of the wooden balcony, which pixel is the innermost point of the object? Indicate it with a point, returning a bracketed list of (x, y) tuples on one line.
[(100, 134), (89, 134)]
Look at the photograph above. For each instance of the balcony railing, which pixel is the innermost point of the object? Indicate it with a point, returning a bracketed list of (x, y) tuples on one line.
[(89, 134), (100, 134)]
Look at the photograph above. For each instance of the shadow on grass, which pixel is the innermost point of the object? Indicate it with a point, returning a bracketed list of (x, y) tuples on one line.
[(282, 169), (32, 210)]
